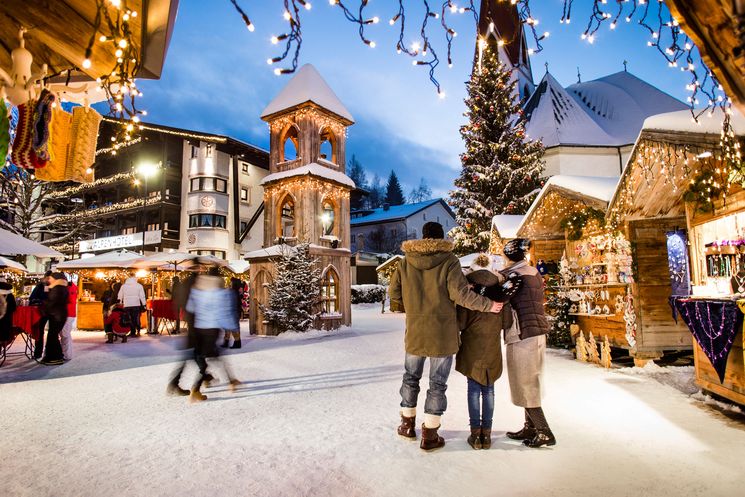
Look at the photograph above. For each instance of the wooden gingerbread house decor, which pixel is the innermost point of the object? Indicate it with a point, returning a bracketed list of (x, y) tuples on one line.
[(306, 195)]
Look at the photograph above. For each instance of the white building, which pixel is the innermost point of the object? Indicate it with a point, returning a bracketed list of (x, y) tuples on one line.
[(589, 128)]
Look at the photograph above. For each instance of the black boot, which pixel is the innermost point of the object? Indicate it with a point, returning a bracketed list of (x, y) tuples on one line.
[(430, 439), (406, 428), (541, 438), (236, 344), (109, 338), (475, 439), (526, 433), (225, 343)]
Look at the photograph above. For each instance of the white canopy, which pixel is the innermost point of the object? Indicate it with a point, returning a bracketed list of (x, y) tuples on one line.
[(238, 266), (118, 259), (12, 244), (165, 260), (10, 264)]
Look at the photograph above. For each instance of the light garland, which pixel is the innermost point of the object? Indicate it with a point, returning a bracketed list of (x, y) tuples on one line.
[(107, 209), (281, 122), (74, 190), (307, 183), (182, 134), (555, 208)]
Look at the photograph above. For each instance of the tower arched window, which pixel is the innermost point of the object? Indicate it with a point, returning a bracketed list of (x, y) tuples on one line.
[(290, 144), (328, 145), (330, 292), (328, 217), (287, 217)]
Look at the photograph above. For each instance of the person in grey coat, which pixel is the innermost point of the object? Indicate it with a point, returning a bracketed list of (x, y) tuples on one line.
[(526, 346)]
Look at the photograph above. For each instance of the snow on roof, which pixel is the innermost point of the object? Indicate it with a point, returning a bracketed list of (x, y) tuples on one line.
[(609, 111), (312, 169), (394, 212), (120, 259), (278, 250), (557, 119), (683, 121), (11, 264), (595, 187), (507, 225), (12, 244), (307, 86)]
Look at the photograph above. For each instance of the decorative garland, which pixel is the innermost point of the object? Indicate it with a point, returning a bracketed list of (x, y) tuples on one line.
[(704, 188), (575, 223)]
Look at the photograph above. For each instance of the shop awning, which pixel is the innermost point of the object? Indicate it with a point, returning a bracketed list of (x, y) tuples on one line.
[(12, 244), (166, 261), (119, 259), (12, 265), (58, 32)]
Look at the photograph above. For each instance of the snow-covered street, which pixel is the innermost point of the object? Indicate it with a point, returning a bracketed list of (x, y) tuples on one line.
[(316, 415)]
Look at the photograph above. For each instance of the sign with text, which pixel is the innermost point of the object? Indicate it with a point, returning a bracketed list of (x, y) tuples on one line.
[(121, 241)]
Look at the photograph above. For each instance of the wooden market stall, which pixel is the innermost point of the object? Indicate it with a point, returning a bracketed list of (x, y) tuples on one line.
[(689, 242)]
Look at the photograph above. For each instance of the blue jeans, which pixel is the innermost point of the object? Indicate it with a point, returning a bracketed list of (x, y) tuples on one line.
[(439, 370), (480, 413)]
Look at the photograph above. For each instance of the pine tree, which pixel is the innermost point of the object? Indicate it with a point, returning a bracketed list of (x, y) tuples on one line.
[(376, 196), (357, 173), (502, 171), (295, 293), (394, 194)]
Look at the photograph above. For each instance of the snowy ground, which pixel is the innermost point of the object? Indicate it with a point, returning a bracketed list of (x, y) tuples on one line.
[(316, 416)]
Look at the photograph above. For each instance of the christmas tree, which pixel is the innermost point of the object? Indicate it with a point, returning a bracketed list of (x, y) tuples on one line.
[(394, 194), (502, 171), (295, 293)]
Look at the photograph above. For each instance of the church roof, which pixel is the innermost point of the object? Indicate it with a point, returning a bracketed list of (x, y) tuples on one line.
[(307, 86), (395, 212), (609, 111)]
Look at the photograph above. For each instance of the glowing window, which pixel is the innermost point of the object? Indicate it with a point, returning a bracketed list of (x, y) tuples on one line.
[(330, 292), (328, 218)]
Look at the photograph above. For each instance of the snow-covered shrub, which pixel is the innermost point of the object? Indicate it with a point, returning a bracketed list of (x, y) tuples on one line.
[(368, 294)]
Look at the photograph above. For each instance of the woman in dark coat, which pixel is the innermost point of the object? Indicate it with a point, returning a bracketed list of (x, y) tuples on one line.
[(56, 312), (6, 321), (526, 346)]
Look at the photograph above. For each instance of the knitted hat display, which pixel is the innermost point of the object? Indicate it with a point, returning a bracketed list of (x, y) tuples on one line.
[(82, 154), (22, 154), (4, 131), (515, 249), (42, 118), (60, 135)]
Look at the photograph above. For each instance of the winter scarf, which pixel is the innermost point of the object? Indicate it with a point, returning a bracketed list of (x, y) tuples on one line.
[(4, 131), (42, 118)]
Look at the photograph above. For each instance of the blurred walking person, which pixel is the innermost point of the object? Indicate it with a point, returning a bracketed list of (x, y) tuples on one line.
[(38, 298), (132, 296), (56, 312), (180, 293), (72, 308), (7, 308), (236, 290), (212, 306)]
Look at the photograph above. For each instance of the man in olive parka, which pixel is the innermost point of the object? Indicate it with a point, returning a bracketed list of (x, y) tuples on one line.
[(429, 283)]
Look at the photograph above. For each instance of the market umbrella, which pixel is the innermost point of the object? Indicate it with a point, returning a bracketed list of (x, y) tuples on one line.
[(12, 265), (165, 259), (118, 259), (12, 244)]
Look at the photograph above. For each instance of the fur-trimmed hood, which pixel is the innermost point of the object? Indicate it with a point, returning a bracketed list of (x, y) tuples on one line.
[(427, 253)]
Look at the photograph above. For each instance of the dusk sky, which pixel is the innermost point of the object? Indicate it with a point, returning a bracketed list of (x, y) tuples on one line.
[(216, 78)]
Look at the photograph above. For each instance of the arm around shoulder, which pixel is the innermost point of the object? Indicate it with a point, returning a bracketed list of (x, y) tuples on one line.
[(461, 294)]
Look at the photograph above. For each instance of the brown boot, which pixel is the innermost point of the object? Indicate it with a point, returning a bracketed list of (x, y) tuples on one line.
[(430, 439), (406, 428), (486, 438), (475, 439), (196, 396)]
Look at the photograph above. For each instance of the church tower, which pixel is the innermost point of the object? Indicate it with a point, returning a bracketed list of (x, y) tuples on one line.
[(306, 194)]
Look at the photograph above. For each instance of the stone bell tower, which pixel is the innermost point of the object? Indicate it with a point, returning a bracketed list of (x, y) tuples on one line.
[(306, 194)]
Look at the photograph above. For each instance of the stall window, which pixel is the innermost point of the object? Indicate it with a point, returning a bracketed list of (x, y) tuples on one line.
[(287, 217), (330, 292), (207, 221), (327, 218)]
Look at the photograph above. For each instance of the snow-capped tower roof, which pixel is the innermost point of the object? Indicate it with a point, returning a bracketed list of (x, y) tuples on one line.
[(557, 119), (621, 102), (307, 86), (609, 111)]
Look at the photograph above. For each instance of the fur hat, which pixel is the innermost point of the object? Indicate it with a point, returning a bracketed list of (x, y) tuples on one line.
[(515, 249)]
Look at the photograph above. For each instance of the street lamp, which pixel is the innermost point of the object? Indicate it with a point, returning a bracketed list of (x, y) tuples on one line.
[(146, 170)]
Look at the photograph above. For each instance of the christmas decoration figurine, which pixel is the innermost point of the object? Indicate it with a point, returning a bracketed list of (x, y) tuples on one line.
[(592, 350), (501, 170), (605, 358), (581, 347)]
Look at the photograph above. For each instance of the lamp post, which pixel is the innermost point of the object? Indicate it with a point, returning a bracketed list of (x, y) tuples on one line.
[(145, 171)]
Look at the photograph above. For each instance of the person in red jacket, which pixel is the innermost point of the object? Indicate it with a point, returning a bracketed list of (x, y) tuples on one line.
[(66, 334)]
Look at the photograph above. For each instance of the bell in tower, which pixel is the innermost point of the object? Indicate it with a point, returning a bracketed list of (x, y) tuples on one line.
[(306, 194)]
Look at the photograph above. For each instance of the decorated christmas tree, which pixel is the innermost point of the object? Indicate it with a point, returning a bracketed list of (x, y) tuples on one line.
[(295, 293), (502, 170)]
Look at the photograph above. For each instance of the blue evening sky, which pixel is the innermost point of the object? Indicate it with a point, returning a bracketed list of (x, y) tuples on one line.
[(216, 78)]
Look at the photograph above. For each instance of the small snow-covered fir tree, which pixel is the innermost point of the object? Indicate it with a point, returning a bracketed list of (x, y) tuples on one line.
[(502, 170), (295, 293)]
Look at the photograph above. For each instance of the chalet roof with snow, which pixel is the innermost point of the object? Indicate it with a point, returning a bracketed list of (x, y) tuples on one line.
[(394, 212), (609, 111), (307, 86), (506, 225)]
